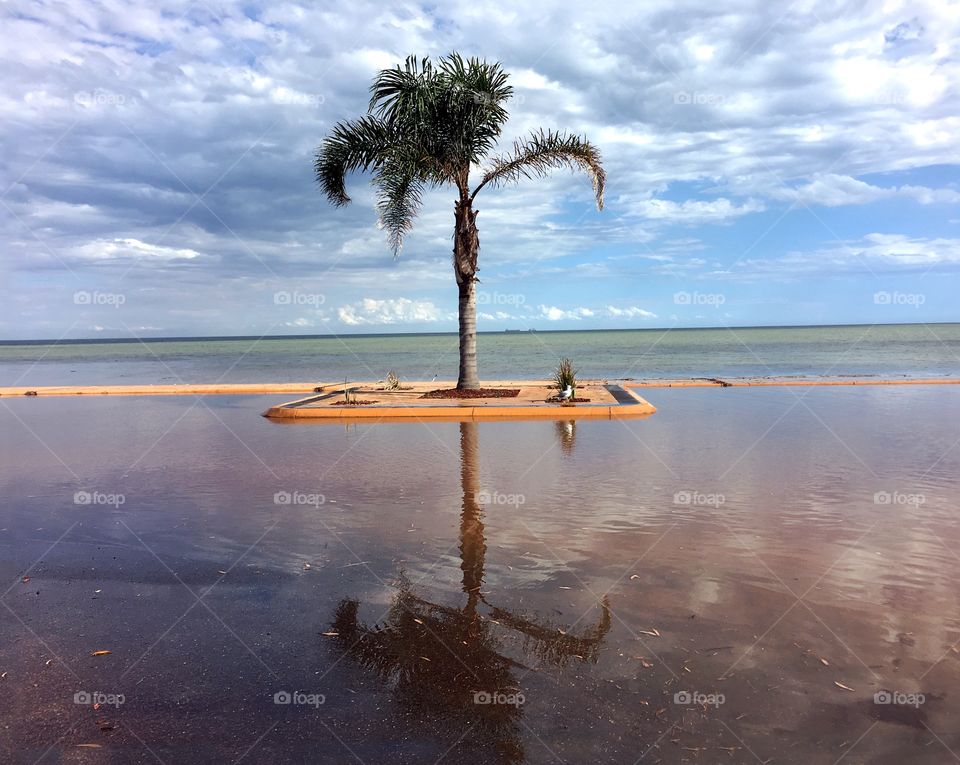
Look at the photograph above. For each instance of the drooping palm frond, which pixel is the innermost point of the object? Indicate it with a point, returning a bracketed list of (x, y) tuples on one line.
[(361, 144), (400, 171), (542, 152), (399, 192)]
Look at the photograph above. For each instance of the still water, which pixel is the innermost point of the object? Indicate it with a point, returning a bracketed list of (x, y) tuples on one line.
[(734, 579)]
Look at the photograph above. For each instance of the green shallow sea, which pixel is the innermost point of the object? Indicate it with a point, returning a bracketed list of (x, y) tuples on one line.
[(912, 350)]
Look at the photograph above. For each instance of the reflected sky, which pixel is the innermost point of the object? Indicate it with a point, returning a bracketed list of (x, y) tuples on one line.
[(767, 546)]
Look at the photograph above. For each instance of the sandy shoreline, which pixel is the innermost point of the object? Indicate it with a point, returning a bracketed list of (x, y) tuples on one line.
[(210, 389)]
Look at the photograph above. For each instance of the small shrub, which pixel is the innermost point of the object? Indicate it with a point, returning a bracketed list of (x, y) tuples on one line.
[(565, 375), (393, 382)]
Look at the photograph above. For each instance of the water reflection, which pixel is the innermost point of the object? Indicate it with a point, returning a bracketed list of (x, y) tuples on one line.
[(448, 664), (567, 433)]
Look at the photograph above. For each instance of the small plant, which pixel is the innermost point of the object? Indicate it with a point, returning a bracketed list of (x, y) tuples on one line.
[(565, 377), (393, 382), (346, 392)]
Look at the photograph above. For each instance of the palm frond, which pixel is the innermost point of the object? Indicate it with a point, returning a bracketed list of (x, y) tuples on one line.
[(478, 91), (453, 110), (542, 152), (362, 144), (404, 95), (400, 192)]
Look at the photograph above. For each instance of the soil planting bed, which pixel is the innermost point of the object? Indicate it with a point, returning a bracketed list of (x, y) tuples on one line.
[(480, 393)]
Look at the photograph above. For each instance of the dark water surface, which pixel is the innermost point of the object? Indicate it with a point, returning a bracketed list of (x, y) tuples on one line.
[(752, 548)]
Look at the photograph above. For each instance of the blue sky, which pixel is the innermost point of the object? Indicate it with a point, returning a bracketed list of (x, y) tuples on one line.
[(767, 164)]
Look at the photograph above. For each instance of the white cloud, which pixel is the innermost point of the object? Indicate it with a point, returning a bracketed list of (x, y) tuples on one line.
[(552, 313), (392, 311), (903, 250), (694, 212), (631, 312), (833, 190), (118, 249), (874, 254)]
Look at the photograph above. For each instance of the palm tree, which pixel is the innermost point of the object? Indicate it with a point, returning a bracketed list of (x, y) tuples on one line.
[(427, 126)]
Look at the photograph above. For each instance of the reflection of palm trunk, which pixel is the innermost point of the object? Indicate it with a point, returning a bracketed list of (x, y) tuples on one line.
[(472, 545), (463, 653)]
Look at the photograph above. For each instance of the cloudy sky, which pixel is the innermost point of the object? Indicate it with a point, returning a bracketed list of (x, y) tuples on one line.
[(768, 163)]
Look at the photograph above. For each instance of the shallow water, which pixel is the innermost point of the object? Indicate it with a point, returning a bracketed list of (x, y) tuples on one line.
[(757, 547), (914, 350)]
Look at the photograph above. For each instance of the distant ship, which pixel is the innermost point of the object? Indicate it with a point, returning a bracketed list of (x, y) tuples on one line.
[(517, 331)]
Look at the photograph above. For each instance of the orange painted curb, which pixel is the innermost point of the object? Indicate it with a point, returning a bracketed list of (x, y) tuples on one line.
[(735, 383), (459, 413), (182, 389)]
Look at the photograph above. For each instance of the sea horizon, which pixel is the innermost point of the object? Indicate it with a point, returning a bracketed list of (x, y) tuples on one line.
[(145, 338)]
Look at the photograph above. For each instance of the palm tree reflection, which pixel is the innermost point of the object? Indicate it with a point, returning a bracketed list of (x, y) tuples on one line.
[(446, 663)]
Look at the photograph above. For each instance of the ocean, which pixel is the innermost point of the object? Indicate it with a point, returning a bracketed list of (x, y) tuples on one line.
[(903, 350)]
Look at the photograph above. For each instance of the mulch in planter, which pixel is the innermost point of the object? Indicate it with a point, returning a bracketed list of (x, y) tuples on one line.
[(480, 393)]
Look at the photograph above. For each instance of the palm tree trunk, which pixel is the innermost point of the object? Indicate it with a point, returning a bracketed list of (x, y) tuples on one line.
[(466, 246), (468, 379)]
